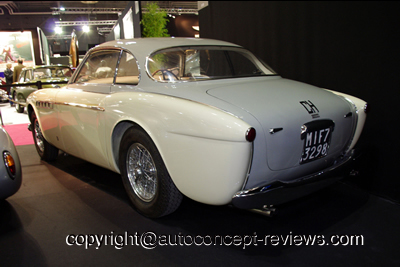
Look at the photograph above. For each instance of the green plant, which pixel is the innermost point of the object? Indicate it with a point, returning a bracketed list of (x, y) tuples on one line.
[(154, 21)]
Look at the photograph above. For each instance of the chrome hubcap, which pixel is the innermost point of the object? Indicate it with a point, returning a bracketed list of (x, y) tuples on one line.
[(16, 100), (39, 137), (142, 172)]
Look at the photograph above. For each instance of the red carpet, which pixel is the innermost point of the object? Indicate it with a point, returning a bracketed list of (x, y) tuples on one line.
[(19, 134)]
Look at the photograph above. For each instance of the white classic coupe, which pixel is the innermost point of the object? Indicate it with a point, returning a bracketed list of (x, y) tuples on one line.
[(197, 117)]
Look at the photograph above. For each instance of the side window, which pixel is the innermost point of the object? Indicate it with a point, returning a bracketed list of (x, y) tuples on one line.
[(22, 77), (41, 73), (28, 75), (63, 72), (99, 67), (128, 70)]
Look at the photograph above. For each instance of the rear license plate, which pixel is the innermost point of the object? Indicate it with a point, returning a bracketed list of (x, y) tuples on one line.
[(317, 138)]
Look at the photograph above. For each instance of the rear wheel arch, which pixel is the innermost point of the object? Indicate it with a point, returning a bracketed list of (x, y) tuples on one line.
[(116, 137), (126, 136)]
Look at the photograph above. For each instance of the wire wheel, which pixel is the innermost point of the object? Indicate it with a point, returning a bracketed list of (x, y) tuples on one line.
[(45, 150), (145, 177), (38, 137), (142, 172)]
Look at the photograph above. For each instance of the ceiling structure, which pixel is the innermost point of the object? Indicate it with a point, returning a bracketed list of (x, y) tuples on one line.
[(47, 7), (19, 15)]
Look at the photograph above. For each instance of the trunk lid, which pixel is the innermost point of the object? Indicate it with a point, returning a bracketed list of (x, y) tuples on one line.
[(282, 107)]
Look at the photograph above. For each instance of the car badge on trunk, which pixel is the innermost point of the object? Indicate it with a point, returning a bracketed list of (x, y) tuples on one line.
[(311, 108)]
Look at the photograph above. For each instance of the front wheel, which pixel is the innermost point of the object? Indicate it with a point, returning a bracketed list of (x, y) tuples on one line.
[(45, 150), (145, 177), (18, 107)]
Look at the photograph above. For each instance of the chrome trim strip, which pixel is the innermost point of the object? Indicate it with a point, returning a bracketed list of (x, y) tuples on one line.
[(92, 107)]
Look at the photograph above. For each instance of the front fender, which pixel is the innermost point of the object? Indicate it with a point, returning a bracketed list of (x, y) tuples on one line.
[(45, 112), (23, 93), (203, 148)]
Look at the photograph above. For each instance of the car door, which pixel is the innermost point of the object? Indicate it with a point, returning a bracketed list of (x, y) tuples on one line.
[(19, 83), (25, 77), (81, 107), (22, 90)]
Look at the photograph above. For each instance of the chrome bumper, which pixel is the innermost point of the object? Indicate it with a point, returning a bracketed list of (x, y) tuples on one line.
[(281, 192)]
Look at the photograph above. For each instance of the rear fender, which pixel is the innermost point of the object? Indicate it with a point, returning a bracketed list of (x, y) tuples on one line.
[(203, 148), (360, 109)]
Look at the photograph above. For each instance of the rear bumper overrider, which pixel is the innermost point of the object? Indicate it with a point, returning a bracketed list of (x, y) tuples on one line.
[(281, 192)]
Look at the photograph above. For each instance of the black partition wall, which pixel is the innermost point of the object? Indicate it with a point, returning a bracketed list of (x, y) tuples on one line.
[(351, 47)]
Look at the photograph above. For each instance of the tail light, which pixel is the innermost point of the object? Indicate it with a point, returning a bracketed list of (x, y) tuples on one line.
[(251, 134), (9, 163)]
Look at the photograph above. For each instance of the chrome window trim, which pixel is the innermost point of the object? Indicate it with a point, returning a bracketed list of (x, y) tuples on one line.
[(100, 49), (137, 64)]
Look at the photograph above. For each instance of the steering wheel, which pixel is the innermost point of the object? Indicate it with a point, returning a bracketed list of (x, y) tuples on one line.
[(165, 72)]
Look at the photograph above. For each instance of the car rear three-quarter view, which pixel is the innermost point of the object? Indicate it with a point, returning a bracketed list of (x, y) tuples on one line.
[(197, 117)]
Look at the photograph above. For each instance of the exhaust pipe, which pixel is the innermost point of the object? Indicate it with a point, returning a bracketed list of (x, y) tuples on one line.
[(266, 210)]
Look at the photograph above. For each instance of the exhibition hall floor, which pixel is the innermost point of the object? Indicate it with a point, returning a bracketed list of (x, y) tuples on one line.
[(72, 213)]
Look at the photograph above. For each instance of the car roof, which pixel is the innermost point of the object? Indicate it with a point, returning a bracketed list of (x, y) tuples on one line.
[(147, 45)]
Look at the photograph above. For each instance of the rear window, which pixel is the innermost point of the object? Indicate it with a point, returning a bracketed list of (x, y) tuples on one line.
[(204, 63)]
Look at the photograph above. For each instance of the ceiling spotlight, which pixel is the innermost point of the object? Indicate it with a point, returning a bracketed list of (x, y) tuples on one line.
[(58, 30), (62, 8), (85, 28)]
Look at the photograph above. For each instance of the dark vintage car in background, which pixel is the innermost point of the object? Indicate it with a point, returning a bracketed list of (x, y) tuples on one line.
[(38, 77)]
